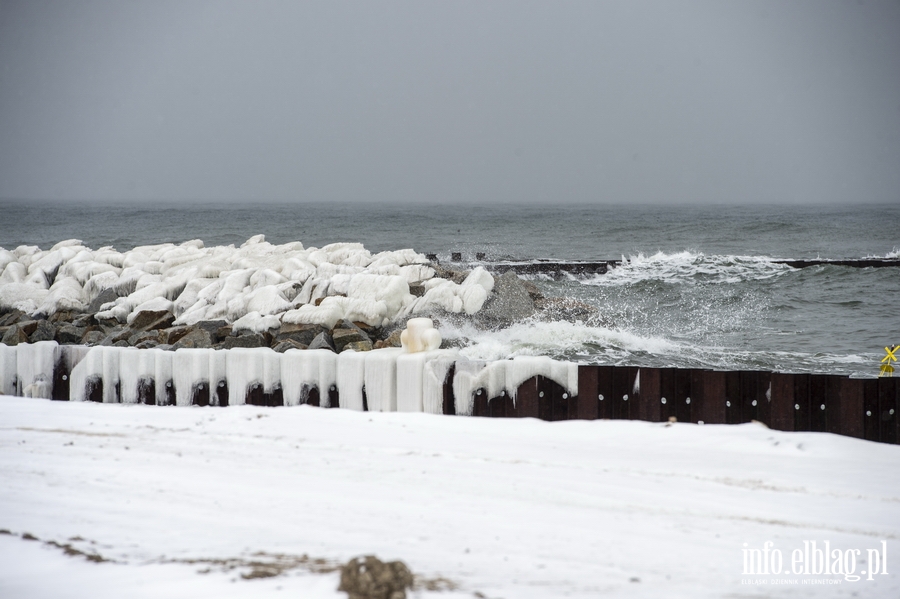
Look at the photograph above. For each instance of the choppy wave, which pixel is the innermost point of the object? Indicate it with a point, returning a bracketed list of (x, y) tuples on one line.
[(891, 255), (620, 346), (689, 268), (559, 339)]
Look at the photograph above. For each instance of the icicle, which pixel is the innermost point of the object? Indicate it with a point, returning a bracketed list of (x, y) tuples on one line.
[(218, 377), (433, 379), (303, 370), (101, 363), (190, 369), (164, 374), (465, 383), (415, 381), (136, 367), (243, 367)]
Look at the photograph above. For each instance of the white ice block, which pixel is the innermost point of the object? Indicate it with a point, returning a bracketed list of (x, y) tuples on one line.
[(34, 368), (8, 366), (381, 379), (351, 377)]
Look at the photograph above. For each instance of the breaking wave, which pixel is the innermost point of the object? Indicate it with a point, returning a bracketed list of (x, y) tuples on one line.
[(689, 268)]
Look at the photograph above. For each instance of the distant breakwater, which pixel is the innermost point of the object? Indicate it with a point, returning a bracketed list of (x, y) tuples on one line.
[(599, 267)]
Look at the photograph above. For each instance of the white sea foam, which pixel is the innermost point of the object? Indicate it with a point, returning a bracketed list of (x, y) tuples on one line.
[(535, 338), (256, 286), (894, 254), (688, 268)]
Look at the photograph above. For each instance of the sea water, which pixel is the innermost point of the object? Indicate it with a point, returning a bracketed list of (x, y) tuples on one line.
[(697, 286)]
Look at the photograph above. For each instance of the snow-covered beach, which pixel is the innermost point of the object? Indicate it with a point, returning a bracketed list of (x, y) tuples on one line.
[(183, 502)]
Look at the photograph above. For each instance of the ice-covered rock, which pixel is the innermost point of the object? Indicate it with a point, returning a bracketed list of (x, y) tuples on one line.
[(288, 282)]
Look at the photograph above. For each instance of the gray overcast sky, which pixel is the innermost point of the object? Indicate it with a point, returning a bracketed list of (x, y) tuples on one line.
[(457, 101)]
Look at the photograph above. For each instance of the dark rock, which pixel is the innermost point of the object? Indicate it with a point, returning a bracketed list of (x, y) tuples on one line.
[(223, 332), (28, 326), (147, 344), (251, 340), (393, 340), (197, 338), (106, 296), (266, 335), (65, 316), (509, 302), (45, 331), (287, 344), (93, 337), (141, 336), (301, 333), (322, 341), (347, 333), (13, 317), (121, 343), (173, 334), (370, 331), (367, 577), (457, 276), (14, 336), (107, 323), (365, 345), (417, 289), (116, 335), (152, 319), (85, 321), (165, 347), (69, 334), (213, 326)]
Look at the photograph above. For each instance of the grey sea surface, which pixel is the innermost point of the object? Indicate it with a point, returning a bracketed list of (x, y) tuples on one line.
[(697, 287)]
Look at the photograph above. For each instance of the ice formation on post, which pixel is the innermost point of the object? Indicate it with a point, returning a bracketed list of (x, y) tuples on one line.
[(8, 366), (34, 369), (508, 375), (383, 380), (256, 287), (305, 370), (420, 335), (416, 381)]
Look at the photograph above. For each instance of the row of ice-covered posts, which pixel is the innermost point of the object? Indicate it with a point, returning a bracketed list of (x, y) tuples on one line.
[(443, 382)]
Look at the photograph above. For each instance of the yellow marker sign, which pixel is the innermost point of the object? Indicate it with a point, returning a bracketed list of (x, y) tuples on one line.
[(886, 368)]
